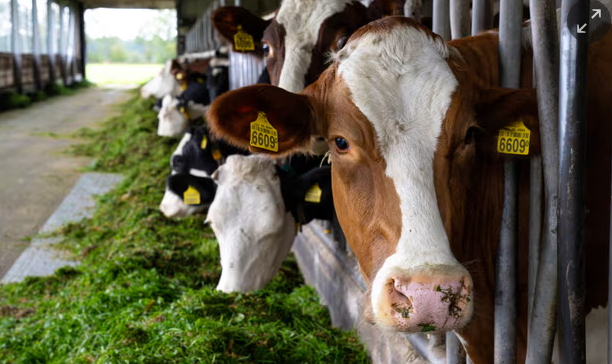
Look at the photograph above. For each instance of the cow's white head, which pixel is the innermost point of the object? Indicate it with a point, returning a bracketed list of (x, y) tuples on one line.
[(172, 121), (248, 216), (162, 84)]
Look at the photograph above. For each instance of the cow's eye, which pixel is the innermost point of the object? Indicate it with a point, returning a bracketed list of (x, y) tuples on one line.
[(266, 50), (342, 144), (341, 42)]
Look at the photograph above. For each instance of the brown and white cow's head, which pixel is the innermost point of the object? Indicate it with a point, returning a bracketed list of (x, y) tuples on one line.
[(298, 41), (404, 122)]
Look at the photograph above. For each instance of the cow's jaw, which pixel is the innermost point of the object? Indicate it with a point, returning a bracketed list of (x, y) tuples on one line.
[(302, 20), (401, 82)]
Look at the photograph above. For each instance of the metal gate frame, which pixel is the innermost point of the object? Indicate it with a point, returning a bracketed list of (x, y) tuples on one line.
[(556, 242)]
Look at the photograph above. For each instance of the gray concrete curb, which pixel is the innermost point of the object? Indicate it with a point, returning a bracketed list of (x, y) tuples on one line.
[(40, 259)]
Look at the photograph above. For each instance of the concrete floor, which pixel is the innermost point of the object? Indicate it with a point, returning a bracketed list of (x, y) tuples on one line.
[(35, 175)]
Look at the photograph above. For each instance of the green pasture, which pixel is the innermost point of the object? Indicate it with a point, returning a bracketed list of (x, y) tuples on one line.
[(145, 289), (120, 73)]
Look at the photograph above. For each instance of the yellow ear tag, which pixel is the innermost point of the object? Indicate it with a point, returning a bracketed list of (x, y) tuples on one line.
[(313, 194), (191, 196), (179, 76), (216, 154), (183, 86), (514, 139), (243, 41), (263, 134), (204, 142), (200, 80)]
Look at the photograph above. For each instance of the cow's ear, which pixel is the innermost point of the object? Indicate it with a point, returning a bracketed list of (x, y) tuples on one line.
[(380, 8), (227, 19), (291, 115), (499, 112)]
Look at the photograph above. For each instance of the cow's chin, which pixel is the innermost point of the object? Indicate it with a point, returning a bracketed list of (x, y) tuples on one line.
[(425, 298)]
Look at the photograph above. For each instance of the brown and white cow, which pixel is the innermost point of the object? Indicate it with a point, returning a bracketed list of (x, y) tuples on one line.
[(412, 124)]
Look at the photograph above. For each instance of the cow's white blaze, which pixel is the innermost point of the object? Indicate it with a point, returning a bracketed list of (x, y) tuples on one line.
[(172, 122), (249, 219), (401, 82), (302, 20)]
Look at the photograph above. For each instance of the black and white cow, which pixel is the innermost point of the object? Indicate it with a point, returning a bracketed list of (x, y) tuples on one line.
[(201, 88), (194, 160)]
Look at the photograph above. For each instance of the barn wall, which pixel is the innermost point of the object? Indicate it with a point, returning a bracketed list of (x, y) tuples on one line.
[(40, 44)]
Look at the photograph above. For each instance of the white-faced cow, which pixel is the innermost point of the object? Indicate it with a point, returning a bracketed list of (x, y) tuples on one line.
[(254, 216), (412, 125), (162, 84), (202, 81)]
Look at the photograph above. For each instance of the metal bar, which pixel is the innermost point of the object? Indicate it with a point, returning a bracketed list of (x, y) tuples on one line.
[(482, 17), (15, 46), (433, 354), (460, 18), (506, 271), (36, 45), (441, 21), (535, 226), (572, 115), (82, 40), (454, 350), (543, 309)]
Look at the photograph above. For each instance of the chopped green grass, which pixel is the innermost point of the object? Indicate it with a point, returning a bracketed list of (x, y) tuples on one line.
[(119, 73), (145, 291)]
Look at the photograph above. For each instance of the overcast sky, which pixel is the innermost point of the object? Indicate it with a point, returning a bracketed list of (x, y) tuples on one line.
[(124, 23)]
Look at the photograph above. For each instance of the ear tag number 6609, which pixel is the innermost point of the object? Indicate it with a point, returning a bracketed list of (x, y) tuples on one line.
[(514, 139), (263, 134)]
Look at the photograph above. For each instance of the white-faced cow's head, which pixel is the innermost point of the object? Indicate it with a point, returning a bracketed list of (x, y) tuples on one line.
[(404, 120), (172, 121), (248, 216), (162, 84), (298, 41)]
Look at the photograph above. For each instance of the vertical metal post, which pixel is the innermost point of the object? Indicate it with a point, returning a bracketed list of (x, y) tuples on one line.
[(482, 17), (441, 21), (82, 40), (572, 114), (15, 45), (49, 40), (506, 272), (459, 18), (454, 349), (543, 308), (535, 226), (36, 45)]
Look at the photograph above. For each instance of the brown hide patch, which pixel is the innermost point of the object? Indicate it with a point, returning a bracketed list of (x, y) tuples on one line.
[(227, 19), (382, 8), (231, 114), (334, 31), (365, 199)]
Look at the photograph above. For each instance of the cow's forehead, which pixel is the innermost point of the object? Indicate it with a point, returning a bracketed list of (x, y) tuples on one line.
[(398, 77), (303, 18), (248, 168)]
